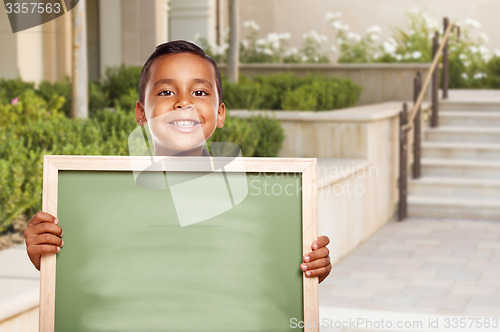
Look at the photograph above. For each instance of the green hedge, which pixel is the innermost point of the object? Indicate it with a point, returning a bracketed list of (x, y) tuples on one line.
[(289, 92), (34, 127)]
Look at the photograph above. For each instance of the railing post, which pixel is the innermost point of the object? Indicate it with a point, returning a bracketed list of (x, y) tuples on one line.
[(446, 64), (417, 87), (403, 163), (435, 84)]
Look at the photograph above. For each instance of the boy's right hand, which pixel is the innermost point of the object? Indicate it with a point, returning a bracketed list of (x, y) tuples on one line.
[(42, 236)]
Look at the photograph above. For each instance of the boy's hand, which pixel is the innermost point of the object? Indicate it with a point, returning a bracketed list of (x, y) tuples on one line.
[(42, 236), (317, 262)]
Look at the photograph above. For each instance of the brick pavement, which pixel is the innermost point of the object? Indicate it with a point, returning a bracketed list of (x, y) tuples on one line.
[(420, 266)]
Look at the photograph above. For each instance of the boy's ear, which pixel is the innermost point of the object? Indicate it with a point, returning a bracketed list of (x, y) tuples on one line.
[(221, 115), (140, 114)]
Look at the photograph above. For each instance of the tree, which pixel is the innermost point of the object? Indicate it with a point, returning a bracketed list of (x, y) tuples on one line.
[(80, 105)]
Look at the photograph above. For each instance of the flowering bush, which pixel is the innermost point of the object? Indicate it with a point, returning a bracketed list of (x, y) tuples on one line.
[(468, 56), (272, 49)]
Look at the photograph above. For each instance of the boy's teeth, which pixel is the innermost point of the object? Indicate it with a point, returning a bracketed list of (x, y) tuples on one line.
[(184, 123)]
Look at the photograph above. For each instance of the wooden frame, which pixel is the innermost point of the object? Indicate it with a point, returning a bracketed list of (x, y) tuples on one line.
[(53, 164)]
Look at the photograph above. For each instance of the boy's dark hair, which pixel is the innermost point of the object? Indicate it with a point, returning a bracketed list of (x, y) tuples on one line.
[(176, 47)]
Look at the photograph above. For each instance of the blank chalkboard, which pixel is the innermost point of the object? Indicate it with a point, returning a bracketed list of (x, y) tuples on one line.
[(178, 244)]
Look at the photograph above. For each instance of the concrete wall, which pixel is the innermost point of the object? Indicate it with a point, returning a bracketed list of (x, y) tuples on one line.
[(380, 82), (298, 17), (357, 148)]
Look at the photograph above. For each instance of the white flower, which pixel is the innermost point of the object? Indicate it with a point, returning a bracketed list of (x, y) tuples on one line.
[(411, 32), (374, 29), (389, 48), (392, 41), (478, 76), (472, 23), (407, 56), (354, 36), (416, 55), (339, 26), (484, 37), (376, 55), (314, 36), (291, 51), (267, 51), (462, 56), (284, 36), (430, 23), (412, 11), (466, 63), (473, 49), (340, 41), (260, 42), (332, 16), (334, 49), (399, 57), (304, 58), (315, 58), (465, 76), (221, 49), (496, 52), (483, 50), (251, 25), (374, 37)]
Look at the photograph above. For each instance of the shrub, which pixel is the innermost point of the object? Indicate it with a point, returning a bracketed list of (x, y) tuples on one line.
[(287, 91), (62, 88), (246, 94), (257, 136), (118, 81), (493, 73)]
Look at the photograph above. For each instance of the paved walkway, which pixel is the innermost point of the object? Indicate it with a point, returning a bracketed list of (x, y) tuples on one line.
[(419, 266)]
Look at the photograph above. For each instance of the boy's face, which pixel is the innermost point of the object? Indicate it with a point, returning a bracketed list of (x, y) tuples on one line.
[(181, 104)]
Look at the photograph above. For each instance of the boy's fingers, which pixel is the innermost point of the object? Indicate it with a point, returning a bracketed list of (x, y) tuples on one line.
[(323, 262), (43, 228), (317, 254), (35, 252), (322, 272), (47, 239), (322, 241), (41, 217)]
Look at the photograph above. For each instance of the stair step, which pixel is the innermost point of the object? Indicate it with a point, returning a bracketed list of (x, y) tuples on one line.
[(454, 187), (469, 119), (439, 207), (463, 134), (469, 169), (488, 106), (471, 151)]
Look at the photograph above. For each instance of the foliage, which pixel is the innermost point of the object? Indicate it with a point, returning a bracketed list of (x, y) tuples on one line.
[(287, 91), (119, 81), (274, 48), (257, 136)]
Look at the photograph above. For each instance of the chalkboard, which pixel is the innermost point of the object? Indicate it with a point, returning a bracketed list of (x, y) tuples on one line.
[(179, 244)]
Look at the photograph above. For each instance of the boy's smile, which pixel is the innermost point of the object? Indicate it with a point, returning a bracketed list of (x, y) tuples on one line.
[(181, 104)]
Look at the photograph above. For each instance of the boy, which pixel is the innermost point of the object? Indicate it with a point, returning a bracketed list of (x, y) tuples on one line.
[(180, 97)]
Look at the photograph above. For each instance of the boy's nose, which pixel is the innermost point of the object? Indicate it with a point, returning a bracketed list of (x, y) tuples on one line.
[(182, 101)]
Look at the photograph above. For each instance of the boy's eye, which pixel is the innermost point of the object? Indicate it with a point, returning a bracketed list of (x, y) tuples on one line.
[(200, 93), (165, 93)]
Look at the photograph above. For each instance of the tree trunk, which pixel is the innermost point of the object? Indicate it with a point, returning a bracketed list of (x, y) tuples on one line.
[(234, 47), (80, 108)]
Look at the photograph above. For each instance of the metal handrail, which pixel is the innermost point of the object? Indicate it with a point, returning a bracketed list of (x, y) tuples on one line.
[(435, 61)]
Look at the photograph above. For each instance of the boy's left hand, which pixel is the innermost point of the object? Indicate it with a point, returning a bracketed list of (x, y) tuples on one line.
[(317, 262)]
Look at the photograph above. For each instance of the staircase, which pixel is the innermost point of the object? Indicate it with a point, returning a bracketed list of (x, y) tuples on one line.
[(460, 162)]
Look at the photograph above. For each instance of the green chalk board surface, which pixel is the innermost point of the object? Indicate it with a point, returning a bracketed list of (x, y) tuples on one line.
[(128, 265)]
